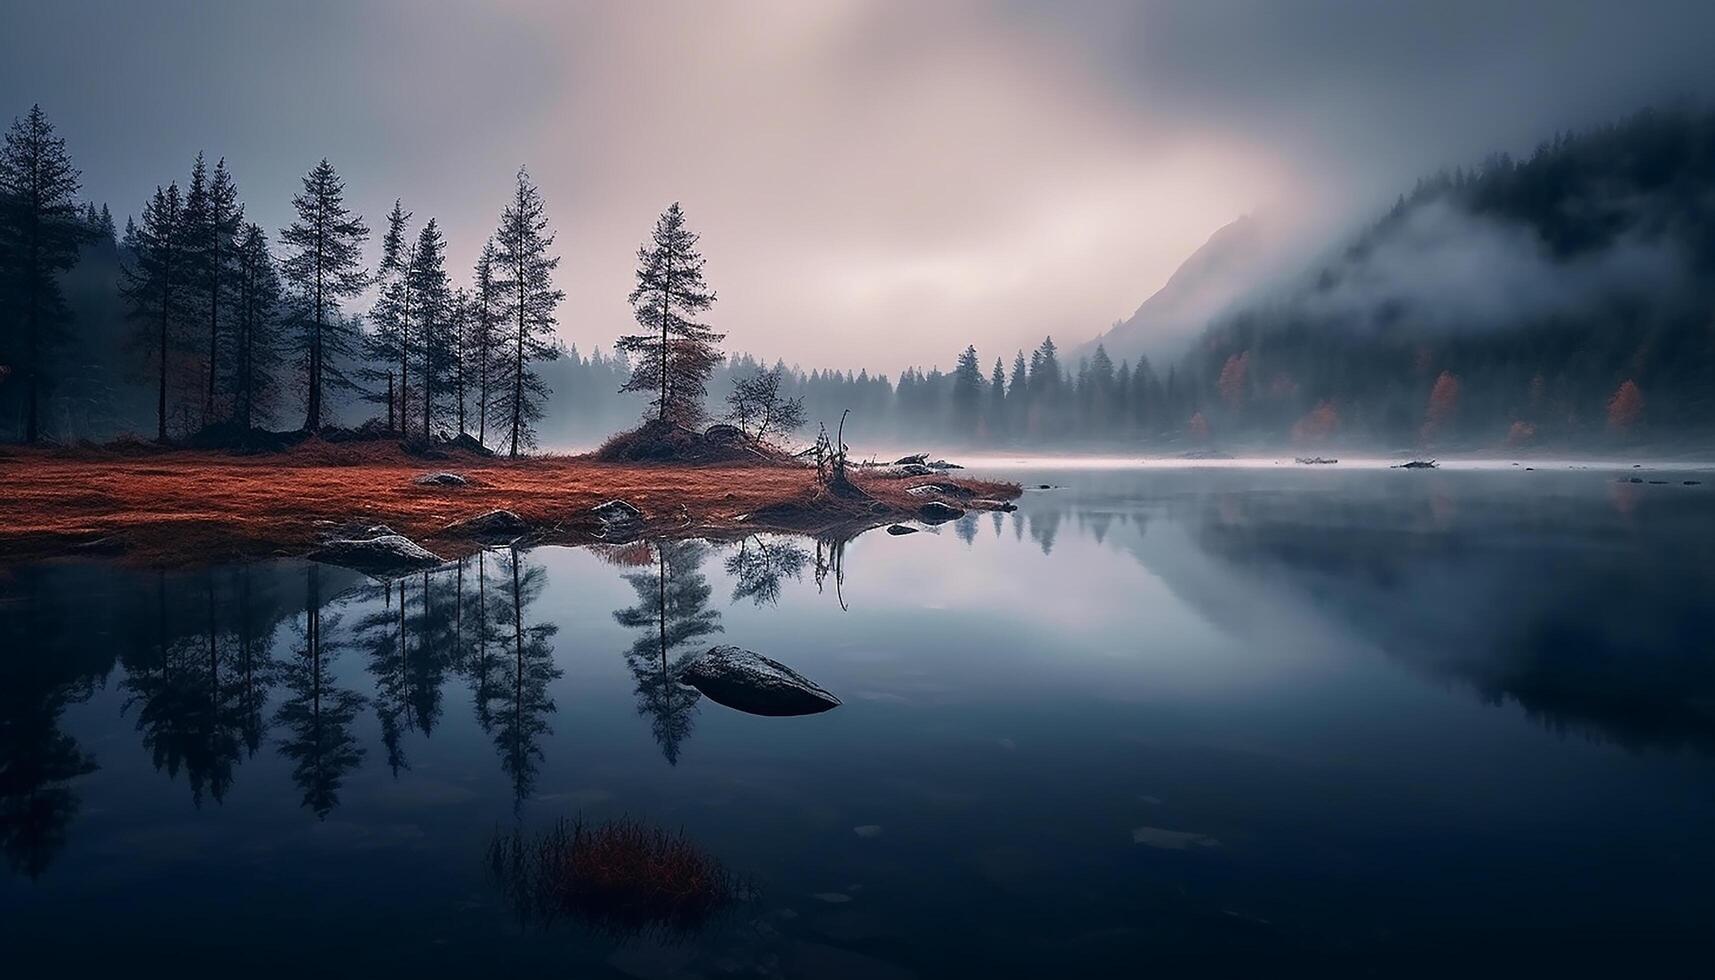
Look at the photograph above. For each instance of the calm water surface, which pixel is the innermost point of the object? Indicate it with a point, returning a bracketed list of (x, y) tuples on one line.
[(1379, 723)]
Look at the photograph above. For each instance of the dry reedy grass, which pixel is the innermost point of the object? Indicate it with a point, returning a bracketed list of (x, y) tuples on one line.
[(179, 506)]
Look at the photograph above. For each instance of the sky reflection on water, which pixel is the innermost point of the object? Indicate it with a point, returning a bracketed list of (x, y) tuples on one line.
[(1210, 716)]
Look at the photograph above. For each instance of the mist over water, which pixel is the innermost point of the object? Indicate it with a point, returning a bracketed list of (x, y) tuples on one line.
[(1218, 715)]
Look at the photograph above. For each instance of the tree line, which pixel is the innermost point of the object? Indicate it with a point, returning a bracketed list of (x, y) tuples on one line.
[(231, 332)]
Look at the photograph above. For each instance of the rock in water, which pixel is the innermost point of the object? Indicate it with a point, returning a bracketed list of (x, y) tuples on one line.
[(441, 480), (898, 529), (983, 503), (913, 458), (936, 512), (752, 683), (492, 524), (383, 556), (617, 512)]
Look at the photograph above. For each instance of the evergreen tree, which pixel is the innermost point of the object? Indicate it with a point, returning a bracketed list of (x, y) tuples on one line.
[(388, 340), (153, 286), (213, 220), (997, 401), (429, 285), (459, 321), (676, 354), (528, 298), (39, 237), (256, 339), (325, 266), (482, 356), (967, 392)]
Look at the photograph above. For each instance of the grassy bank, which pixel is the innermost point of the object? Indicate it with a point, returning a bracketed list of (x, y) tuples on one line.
[(183, 506)]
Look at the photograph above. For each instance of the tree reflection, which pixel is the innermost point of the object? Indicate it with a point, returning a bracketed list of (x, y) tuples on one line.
[(191, 706), (41, 672), (512, 701), (671, 613), (760, 565), (317, 715)]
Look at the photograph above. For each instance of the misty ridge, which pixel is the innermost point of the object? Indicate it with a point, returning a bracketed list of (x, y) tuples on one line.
[(1562, 302)]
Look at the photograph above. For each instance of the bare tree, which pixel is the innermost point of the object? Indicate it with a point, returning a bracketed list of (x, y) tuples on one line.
[(758, 408)]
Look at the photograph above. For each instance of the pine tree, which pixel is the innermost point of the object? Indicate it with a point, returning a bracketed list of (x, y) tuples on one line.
[(459, 319), (967, 392), (256, 339), (153, 285), (388, 341), (528, 298), (676, 355), (324, 267), (39, 237), (213, 220), (997, 401), (428, 282), (482, 356)]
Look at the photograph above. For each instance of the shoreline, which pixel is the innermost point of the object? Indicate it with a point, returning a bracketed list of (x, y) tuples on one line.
[(178, 506)]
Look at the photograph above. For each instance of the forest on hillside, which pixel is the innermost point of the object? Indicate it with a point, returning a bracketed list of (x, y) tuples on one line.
[(1565, 300)]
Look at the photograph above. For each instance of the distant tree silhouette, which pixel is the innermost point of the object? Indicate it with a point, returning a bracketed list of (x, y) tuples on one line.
[(40, 231), (153, 287), (528, 298), (214, 219), (256, 330), (325, 265), (388, 340), (676, 354), (482, 356)]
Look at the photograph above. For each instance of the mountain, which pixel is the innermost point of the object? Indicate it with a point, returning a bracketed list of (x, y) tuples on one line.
[(1566, 298), (1234, 261)]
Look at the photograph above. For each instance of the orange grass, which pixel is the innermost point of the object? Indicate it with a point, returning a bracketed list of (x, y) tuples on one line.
[(188, 505)]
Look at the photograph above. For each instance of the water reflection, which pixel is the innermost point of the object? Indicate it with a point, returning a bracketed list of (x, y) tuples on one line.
[(1591, 619), (670, 616), (317, 714)]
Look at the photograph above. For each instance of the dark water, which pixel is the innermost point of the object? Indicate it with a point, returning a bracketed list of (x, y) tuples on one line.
[(1377, 723)]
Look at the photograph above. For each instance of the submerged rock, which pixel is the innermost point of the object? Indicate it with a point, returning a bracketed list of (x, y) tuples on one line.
[(382, 556), (752, 683), (897, 529), (441, 480), (492, 524), (936, 512)]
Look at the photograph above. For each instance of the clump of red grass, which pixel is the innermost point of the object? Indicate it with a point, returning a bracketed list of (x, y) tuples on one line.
[(621, 877)]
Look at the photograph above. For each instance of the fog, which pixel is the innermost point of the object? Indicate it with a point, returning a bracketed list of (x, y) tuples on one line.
[(878, 183)]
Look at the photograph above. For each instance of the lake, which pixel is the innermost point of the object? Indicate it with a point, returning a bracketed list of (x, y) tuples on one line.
[(1224, 718)]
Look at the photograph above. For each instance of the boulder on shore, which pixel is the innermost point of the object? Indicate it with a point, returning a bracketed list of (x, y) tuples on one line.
[(752, 683), (470, 444), (383, 556), (913, 458), (441, 480), (936, 512), (492, 524)]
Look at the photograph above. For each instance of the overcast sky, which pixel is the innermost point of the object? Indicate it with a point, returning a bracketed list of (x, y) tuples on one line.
[(877, 182)]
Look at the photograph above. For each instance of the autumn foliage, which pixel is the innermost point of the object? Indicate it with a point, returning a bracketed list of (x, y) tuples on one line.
[(1231, 383), (1443, 406), (1321, 422), (1625, 408), (1198, 427)]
